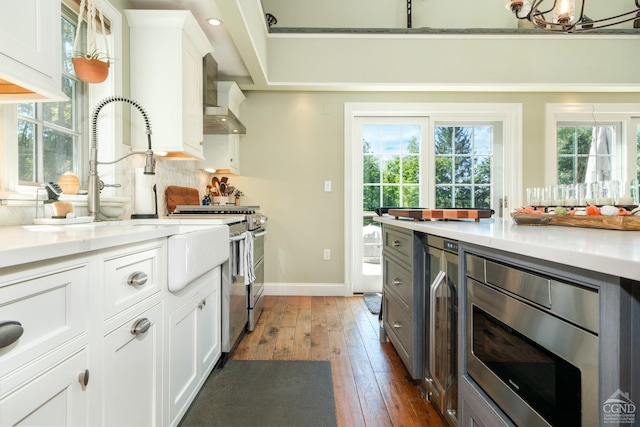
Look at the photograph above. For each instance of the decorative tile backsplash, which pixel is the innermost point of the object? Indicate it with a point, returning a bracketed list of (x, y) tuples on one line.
[(168, 172)]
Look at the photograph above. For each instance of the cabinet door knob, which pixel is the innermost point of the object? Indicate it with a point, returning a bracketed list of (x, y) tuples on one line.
[(137, 278), (396, 325), (397, 281), (202, 303), (140, 326), (83, 377), (396, 243), (10, 332)]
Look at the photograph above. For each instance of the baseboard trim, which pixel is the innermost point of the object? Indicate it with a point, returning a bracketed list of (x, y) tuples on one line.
[(305, 289)]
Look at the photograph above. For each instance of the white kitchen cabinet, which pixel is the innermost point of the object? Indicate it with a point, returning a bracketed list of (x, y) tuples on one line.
[(132, 375), (56, 397), (132, 324), (166, 51), (222, 153), (30, 44), (39, 372), (79, 315), (194, 341)]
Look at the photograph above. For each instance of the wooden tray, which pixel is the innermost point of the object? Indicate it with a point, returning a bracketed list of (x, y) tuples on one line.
[(629, 222), (420, 214)]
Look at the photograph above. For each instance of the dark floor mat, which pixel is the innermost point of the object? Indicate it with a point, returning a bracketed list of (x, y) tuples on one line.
[(265, 393), (373, 301)]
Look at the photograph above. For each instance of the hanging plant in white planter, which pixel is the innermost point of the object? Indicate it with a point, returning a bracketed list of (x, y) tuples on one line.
[(91, 64)]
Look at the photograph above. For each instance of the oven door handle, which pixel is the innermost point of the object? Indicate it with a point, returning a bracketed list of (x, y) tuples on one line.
[(260, 234), (437, 282), (237, 238)]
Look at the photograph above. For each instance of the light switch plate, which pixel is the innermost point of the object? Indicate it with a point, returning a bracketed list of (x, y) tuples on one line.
[(327, 186)]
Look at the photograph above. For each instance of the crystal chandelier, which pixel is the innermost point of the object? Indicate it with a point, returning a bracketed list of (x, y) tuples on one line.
[(563, 16)]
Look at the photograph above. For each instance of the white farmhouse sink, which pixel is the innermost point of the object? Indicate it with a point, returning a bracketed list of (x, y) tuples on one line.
[(195, 251)]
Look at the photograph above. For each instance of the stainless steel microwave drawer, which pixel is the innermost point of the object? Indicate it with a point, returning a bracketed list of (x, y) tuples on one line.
[(398, 242), (399, 280)]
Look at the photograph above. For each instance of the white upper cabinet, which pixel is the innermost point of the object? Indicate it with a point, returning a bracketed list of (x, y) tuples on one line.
[(30, 49), (167, 47)]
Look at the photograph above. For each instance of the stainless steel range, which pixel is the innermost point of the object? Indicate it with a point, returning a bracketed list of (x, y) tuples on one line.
[(243, 273)]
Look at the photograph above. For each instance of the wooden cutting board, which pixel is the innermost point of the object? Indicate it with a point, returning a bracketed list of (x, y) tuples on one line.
[(176, 195), (420, 214)]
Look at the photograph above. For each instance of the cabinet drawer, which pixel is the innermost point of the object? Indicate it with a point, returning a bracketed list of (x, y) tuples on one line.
[(399, 280), (132, 277), (399, 327), (399, 243), (52, 309)]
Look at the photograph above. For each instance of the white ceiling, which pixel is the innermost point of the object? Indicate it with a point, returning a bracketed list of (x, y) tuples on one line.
[(230, 63)]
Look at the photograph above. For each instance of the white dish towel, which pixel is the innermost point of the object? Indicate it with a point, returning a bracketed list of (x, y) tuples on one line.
[(247, 257)]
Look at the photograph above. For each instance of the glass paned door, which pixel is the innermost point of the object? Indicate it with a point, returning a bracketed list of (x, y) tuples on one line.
[(392, 149), (463, 157)]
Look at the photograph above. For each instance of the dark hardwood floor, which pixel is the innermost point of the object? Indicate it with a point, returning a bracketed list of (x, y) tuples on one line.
[(371, 385)]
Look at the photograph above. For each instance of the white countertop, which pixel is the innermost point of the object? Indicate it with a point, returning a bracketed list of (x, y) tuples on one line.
[(22, 244), (612, 252)]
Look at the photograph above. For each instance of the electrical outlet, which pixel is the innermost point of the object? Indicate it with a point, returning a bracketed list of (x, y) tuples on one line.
[(327, 186), (327, 254)]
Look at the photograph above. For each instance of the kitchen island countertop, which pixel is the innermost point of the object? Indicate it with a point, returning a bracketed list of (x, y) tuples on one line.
[(612, 252)]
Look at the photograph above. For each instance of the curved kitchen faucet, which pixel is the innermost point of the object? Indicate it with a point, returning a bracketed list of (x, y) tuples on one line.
[(95, 185)]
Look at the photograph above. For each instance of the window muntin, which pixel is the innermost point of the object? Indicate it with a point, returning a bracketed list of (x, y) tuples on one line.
[(623, 117), (391, 165), (588, 152), (50, 134), (463, 159)]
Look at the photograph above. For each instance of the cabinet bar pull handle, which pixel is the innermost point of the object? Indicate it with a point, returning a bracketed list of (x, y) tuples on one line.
[(396, 325), (10, 332), (137, 278), (83, 377), (141, 326), (397, 281), (396, 243), (202, 303)]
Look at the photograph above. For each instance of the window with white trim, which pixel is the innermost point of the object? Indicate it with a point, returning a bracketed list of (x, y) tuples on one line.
[(592, 142), (51, 134)]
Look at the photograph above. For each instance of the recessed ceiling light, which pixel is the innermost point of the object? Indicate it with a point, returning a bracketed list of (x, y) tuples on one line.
[(214, 22)]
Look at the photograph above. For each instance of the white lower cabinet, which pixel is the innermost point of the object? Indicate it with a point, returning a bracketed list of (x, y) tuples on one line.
[(132, 374), (194, 341), (209, 328), (56, 397), (102, 342), (41, 369)]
